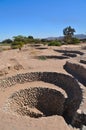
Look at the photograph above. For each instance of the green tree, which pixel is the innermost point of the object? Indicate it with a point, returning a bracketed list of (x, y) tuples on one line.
[(30, 37), (68, 34), (8, 41), (19, 38), (17, 45), (18, 42)]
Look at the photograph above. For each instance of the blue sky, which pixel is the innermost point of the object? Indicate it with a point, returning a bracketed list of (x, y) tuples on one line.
[(41, 18)]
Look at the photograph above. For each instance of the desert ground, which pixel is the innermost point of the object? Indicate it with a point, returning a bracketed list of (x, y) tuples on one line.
[(39, 59)]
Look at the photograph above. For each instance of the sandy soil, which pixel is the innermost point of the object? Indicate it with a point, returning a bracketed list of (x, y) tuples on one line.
[(26, 58)]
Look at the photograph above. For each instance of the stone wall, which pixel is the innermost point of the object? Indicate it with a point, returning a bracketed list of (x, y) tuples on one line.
[(77, 70), (65, 82), (70, 51)]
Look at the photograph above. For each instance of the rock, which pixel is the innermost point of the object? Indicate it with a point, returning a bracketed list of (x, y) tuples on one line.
[(18, 67)]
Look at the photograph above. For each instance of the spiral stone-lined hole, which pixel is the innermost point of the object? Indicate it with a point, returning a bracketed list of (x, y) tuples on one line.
[(63, 81), (37, 102)]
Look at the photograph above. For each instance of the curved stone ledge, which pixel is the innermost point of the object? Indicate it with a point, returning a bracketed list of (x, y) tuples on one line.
[(52, 57), (67, 83), (79, 119), (71, 51), (77, 70), (83, 61), (70, 54), (41, 48)]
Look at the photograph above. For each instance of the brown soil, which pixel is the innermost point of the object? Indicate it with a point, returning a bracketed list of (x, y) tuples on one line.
[(13, 62)]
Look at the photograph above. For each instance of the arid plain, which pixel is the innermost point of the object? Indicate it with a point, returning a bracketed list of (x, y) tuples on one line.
[(41, 59)]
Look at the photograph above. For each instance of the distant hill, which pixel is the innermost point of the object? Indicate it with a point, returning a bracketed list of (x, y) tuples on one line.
[(79, 36), (54, 38)]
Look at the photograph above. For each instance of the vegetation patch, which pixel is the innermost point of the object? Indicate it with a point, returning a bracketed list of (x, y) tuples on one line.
[(54, 43), (42, 57)]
